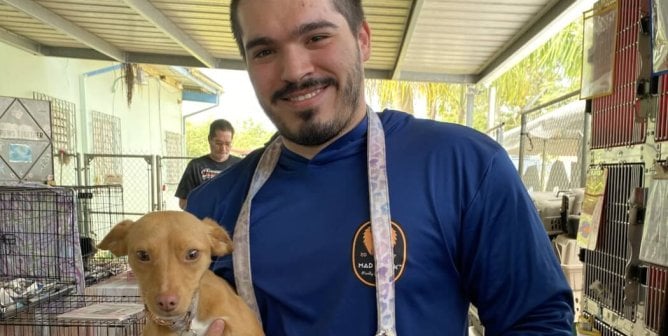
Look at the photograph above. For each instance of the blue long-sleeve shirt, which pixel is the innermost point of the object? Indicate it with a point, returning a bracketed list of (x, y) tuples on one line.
[(465, 231)]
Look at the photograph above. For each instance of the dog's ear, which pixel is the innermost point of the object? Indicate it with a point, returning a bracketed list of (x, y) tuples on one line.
[(114, 241), (221, 243)]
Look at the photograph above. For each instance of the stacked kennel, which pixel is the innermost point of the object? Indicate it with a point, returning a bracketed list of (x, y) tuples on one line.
[(99, 208), (625, 294), (47, 257)]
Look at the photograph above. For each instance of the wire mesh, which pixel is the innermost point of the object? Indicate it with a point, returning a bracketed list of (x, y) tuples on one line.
[(657, 284), (604, 271), (66, 169), (39, 248), (613, 116), (550, 147), (99, 208), (135, 177), (171, 170), (661, 133), (43, 319), (63, 124), (605, 329)]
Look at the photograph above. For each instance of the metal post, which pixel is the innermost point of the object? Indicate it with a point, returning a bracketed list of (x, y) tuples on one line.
[(78, 168), (158, 178), (523, 129), (491, 112), (470, 99), (584, 149)]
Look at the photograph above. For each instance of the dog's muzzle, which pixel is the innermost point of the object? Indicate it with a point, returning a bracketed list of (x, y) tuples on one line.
[(180, 324)]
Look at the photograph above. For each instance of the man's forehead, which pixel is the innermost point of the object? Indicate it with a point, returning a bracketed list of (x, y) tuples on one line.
[(260, 14)]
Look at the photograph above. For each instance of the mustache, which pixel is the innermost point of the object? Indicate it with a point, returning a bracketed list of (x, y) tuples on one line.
[(302, 85)]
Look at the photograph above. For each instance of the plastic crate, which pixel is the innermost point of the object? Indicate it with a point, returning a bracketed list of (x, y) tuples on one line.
[(573, 275), (567, 250)]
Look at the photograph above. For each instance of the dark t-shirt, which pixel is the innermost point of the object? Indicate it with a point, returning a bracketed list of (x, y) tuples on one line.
[(200, 170)]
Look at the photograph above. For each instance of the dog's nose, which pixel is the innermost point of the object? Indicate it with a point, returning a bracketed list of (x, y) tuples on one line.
[(168, 302)]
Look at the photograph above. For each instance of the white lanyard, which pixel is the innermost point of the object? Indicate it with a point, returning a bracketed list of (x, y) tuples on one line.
[(379, 202)]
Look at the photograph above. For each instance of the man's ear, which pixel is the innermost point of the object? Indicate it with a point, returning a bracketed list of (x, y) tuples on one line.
[(364, 41), (221, 243), (115, 241)]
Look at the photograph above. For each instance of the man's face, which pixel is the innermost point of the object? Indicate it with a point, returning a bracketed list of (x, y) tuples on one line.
[(220, 145), (306, 67)]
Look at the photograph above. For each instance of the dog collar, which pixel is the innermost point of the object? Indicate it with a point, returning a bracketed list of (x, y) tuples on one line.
[(381, 227), (179, 324)]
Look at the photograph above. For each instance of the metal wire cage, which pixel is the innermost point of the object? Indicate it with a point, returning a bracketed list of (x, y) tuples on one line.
[(46, 319), (99, 208), (40, 255)]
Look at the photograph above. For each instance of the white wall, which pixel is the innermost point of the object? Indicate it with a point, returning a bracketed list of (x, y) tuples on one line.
[(155, 107)]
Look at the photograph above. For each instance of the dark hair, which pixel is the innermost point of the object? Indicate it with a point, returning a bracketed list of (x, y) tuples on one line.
[(350, 9), (220, 125)]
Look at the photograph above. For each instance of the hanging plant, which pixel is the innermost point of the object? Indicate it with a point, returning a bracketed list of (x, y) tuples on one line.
[(129, 74)]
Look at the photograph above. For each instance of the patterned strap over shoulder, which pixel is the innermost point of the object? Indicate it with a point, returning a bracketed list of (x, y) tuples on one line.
[(379, 203)]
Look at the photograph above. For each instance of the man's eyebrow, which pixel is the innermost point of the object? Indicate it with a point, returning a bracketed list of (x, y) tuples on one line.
[(257, 42), (301, 30), (311, 26)]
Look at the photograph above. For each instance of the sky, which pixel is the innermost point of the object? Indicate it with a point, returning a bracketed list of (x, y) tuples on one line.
[(237, 102)]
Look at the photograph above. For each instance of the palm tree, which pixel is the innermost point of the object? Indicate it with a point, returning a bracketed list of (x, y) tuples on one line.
[(549, 72)]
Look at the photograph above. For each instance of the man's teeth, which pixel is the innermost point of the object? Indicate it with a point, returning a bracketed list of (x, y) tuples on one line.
[(306, 96)]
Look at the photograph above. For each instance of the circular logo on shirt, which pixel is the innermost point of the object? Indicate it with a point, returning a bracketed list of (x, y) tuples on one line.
[(363, 253)]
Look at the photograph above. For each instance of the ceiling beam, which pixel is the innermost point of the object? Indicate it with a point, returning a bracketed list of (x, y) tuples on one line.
[(155, 16), (131, 57), (408, 36), (438, 77), (20, 42), (56, 21)]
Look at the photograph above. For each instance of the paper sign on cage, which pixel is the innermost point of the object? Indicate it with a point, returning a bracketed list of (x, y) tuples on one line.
[(659, 36), (592, 216), (25, 140), (598, 52), (655, 234)]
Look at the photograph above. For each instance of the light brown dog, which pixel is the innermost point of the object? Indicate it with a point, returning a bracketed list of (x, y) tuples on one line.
[(169, 253)]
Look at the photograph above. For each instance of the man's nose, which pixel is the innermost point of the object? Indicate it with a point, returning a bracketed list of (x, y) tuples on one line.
[(296, 64)]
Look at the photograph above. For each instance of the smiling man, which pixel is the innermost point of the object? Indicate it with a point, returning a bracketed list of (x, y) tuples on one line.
[(353, 222), (204, 168)]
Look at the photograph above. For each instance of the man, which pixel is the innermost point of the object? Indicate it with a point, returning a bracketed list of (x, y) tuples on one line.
[(461, 226), (205, 167)]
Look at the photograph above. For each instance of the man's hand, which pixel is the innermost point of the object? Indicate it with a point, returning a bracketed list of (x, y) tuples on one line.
[(216, 328)]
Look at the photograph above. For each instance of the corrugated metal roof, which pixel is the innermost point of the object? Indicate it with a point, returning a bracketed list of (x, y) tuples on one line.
[(435, 40)]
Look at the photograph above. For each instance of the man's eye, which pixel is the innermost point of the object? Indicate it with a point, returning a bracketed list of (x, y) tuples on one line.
[(262, 53), (318, 38)]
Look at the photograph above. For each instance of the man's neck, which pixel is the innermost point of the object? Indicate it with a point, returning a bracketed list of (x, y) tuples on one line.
[(219, 161)]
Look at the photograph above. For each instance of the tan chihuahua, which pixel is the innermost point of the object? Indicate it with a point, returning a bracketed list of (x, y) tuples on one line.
[(169, 253)]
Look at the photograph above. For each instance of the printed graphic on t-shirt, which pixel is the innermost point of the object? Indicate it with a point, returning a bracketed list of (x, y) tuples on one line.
[(208, 173), (363, 259)]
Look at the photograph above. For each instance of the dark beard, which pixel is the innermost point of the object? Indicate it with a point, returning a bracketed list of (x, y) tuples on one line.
[(313, 133)]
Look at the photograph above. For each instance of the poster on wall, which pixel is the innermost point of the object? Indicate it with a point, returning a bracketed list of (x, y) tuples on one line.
[(598, 50), (660, 36), (26, 153), (655, 231), (592, 216)]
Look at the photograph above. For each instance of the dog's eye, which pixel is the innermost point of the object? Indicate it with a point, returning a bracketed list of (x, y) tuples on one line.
[(143, 256), (192, 255)]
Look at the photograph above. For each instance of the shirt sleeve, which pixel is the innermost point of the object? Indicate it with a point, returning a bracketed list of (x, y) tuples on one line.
[(187, 182), (513, 276)]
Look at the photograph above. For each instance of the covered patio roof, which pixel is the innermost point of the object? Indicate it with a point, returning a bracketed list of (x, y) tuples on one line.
[(453, 41)]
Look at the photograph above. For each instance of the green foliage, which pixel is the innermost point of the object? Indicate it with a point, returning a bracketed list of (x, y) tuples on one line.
[(247, 137), (250, 135), (550, 71), (196, 138)]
